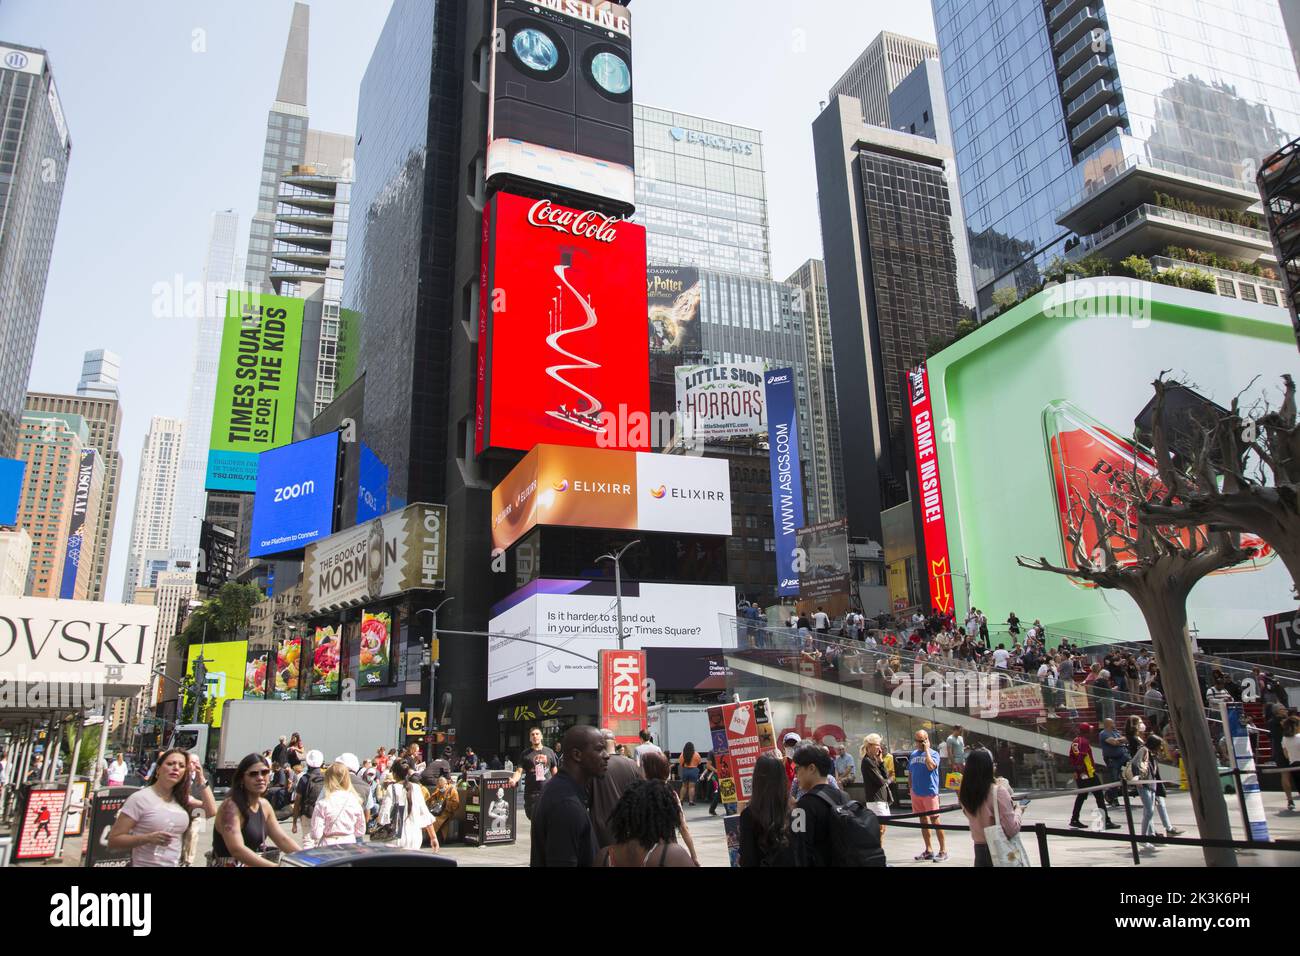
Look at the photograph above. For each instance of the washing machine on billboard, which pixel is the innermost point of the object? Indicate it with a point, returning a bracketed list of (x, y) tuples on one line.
[(561, 113)]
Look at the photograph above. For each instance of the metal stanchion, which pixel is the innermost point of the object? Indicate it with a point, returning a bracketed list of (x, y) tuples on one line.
[(1241, 800), (1044, 857), (1128, 815)]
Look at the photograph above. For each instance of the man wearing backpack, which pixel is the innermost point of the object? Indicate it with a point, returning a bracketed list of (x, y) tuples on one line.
[(309, 787), (826, 827), (1085, 776)]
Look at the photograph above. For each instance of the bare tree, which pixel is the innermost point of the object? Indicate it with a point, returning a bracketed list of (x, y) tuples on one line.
[(1111, 544), (1241, 472)]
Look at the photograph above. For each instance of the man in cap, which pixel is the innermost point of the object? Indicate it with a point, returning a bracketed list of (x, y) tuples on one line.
[(308, 788)]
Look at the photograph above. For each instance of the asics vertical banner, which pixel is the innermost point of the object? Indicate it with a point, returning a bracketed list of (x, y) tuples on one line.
[(787, 477)]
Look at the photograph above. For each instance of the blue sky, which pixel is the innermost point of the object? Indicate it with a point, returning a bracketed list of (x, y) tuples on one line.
[(166, 101)]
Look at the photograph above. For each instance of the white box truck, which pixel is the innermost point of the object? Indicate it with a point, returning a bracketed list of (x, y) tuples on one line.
[(672, 725)]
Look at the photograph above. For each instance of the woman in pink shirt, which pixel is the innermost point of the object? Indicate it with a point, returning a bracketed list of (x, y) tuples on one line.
[(978, 790), (338, 816)]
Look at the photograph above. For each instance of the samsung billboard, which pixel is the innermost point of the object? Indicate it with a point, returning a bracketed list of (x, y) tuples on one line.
[(294, 502)]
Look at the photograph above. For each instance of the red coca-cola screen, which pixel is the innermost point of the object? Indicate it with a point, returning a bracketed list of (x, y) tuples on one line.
[(563, 353)]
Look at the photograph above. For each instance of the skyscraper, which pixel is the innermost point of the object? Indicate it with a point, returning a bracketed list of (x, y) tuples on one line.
[(155, 496), (876, 73), (34, 152), (103, 417), (221, 270), (99, 374), (700, 192), (1116, 129)]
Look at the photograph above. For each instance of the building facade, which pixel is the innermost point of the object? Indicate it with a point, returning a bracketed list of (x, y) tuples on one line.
[(701, 193), (100, 370), (15, 560), (878, 71), (1128, 127), (155, 499), (34, 152)]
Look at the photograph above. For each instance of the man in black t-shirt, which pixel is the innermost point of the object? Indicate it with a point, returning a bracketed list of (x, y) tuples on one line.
[(562, 833), (537, 765)]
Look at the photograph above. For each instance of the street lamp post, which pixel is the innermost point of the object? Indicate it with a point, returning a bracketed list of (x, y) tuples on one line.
[(431, 720), (617, 557)]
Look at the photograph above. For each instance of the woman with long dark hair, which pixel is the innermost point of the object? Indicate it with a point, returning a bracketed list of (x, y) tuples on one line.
[(979, 788), (688, 766), (154, 820), (655, 767), (246, 820), (644, 825), (403, 808), (764, 823)]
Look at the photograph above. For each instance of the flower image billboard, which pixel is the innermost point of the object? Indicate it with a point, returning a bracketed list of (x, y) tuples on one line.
[(563, 356), (257, 386), (325, 663), (255, 669), (1058, 386), (288, 662), (376, 648)]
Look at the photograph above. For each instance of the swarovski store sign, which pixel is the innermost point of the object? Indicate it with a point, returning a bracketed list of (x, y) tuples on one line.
[(400, 551)]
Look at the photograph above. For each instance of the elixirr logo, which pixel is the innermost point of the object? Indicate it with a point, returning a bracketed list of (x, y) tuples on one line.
[(76, 909)]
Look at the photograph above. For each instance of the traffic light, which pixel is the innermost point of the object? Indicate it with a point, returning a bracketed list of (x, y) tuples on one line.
[(200, 686)]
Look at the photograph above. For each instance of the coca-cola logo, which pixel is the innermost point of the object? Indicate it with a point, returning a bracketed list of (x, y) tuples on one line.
[(585, 224)]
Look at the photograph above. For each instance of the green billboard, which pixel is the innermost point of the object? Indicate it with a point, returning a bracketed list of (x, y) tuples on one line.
[(349, 348), (1046, 395), (257, 385)]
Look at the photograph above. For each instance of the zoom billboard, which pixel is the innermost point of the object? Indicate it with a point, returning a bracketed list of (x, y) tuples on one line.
[(560, 101), (572, 621), (787, 476), (294, 503), (563, 357)]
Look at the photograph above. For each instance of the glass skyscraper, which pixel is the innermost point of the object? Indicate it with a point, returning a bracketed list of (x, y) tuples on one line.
[(1118, 127)]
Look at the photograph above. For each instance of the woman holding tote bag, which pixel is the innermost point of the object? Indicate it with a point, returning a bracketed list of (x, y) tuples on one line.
[(993, 816)]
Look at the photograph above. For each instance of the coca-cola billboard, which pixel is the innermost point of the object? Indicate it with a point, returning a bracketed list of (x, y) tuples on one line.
[(563, 357)]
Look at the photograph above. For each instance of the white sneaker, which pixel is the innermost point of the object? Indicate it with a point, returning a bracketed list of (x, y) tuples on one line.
[(1147, 847)]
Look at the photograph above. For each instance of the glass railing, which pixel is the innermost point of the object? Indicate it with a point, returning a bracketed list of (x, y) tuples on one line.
[(1101, 86), (1083, 16), (1164, 262), (1093, 63), (1149, 211), (1107, 114), (1094, 186), (1087, 41)]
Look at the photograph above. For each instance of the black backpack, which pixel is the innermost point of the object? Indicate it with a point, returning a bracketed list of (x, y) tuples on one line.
[(855, 834), (315, 784)]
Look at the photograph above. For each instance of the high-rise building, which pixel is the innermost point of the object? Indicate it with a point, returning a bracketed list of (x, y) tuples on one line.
[(99, 374), (155, 497), (1130, 127), (34, 152), (171, 594), (15, 560), (222, 268), (103, 417), (700, 192), (891, 276), (878, 71), (58, 511), (826, 481)]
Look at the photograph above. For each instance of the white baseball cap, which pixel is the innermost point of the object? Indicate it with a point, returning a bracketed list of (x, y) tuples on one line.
[(350, 761), (315, 758), (791, 737)]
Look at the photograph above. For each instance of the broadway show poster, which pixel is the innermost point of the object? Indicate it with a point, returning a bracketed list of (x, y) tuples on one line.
[(376, 648), (255, 676), (287, 662), (39, 835), (673, 295), (747, 732), (325, 663)]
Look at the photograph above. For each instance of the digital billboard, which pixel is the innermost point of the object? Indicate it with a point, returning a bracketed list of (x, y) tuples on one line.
[(255, 674), (560, 98), (938, 567), (216, 555), (12, 471), (575, 620), (77, 527), (257, 385), (563, 357), (226, 673), (673, 307), (288, 669), (372, 486), (325, 663), (824, 574), (376, 648), (787, 475), (294, 503), (606, 488), (720, 401), (1058, 377)]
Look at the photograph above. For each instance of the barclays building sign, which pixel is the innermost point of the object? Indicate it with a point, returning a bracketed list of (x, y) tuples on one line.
[(709, 139)]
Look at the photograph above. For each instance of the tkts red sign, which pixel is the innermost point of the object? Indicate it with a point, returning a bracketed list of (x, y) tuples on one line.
[(564, 358), (933, 526), (622, 694)]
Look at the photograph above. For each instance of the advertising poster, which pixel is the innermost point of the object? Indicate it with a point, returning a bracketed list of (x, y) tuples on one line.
[(1020, 700), (716, 402), (104, 805), (673, 305), (294, 502), (490, 808), (288, 658), (606, 488), (255, 675), (1283, 632), (742, 732), (787, 476), (38, 836), (77, 528), (929, 492), (1234, 719), (12, 471), (561, 356), (257, 385), (376, 648), (216, 555), (372, 486), (325, 663), (622, 694), (824, 582), (225, 670), (77, 811), (574, 620)]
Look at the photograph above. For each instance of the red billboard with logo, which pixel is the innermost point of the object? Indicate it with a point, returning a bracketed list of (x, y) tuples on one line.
[(938, 567), (622, 701), (563, 355)]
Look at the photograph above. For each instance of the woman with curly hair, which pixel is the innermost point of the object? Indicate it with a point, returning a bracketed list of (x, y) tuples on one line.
[(644, 825)]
